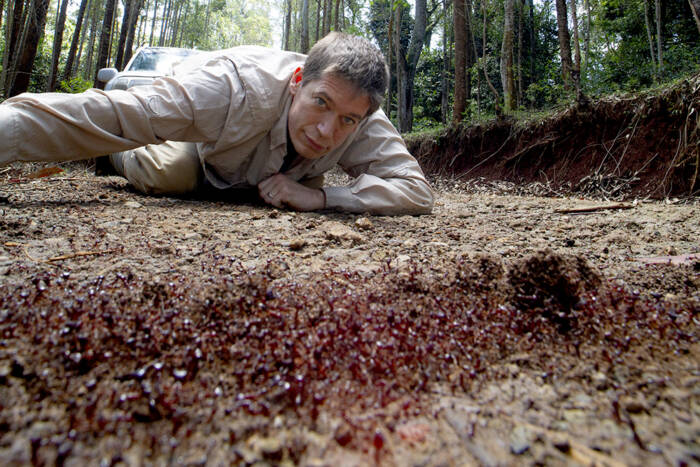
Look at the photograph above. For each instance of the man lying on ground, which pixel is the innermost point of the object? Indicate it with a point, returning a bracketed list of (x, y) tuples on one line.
[(248, 117)]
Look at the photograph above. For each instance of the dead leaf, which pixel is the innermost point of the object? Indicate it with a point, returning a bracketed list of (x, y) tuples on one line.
[(46, 172)]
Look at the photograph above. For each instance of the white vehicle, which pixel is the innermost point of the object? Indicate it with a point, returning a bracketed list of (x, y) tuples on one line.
[(147, 64)]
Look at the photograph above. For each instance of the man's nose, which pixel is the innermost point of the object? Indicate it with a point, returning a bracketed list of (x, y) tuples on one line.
[(326, 126)]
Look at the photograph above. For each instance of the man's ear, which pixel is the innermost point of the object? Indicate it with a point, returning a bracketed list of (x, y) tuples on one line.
[(296, 80)]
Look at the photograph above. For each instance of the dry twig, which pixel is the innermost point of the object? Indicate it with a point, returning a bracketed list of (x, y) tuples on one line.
[(588, 209)]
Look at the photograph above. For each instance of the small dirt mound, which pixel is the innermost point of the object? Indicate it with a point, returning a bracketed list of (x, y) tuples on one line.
[(551, 285), (643, 145)]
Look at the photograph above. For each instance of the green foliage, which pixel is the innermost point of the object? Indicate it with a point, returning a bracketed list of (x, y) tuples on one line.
[(427, 108), (74, 85), (544, 95)]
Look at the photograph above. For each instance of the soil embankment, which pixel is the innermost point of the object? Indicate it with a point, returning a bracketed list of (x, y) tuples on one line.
[(642, 145)]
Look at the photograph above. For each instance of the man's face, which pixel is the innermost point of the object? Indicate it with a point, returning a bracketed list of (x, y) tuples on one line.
[(324, 112)]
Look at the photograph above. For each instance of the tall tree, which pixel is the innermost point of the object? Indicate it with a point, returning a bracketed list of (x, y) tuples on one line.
[(459, 16), (407, 63), (68, 70), (155, 14), (564, 42), (57, 43), (94, 18), (659, 38), (287, 25), (105, 37), (36, 20), (446, 63), (304, 26), (327, 6), (650, 37), (126, 19), (6, 56), (2, 11), (484, 59), (695, 8), (576, 70), (507, 75), (13, 28), (131, 34)]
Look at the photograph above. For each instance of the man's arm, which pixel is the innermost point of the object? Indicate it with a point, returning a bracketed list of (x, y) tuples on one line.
[(58, 127), (388, 178)]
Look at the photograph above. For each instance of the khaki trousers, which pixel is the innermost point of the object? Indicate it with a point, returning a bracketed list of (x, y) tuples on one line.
[(170, 168)]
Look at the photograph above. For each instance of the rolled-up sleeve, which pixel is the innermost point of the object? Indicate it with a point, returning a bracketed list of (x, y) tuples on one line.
[(388, 180), (58, 127)]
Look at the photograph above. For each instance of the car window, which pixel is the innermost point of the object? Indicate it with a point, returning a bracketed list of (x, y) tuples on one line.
[(161, 61)]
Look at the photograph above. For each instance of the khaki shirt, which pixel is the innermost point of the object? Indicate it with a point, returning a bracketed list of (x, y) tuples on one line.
[(235, 107)]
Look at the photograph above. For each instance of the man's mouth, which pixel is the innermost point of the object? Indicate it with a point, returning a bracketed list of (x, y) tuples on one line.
[(313, 144)]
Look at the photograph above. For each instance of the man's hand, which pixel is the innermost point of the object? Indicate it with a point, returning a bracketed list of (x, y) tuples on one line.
[(279, 191)]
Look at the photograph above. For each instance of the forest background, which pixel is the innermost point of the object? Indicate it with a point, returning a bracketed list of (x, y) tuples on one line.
[(451, 60)]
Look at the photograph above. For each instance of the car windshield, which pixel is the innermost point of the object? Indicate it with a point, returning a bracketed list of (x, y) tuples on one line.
[(160, 60)]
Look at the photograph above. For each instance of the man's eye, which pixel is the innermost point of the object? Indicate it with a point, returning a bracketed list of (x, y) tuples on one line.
[(320, 101), (349, 121)]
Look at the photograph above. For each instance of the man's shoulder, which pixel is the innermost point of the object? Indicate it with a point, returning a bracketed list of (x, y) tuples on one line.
[(263, 59)]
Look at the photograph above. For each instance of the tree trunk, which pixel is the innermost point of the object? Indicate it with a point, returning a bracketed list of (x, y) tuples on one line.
[(18, 15), (444, 85), (105, 35), (9, 26), (564, 43), (473, 57), (695, 8), (119, 62), (576, 70), (400, 58), (587, 36), (68, 70), (337, 15), (57, 43), (131, 32), (2, 11), (460, 30), (287, 24), (409, 63), (484, 60), (389, 54), (304, 47), (650, 37), (155, 14), (110, 48), (164, 22), (659, 39), (143, 20), (318, 21), (175, 26), (183, 23), (326, 17), (34, 31), (507, 77), (519, 57), (88, 69), (533, 44)]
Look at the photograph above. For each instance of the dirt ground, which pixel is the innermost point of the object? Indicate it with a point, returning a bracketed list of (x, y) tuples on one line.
[(505, 328)]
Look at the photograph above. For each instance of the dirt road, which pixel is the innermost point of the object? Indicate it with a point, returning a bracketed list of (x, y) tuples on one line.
[(503, 328)]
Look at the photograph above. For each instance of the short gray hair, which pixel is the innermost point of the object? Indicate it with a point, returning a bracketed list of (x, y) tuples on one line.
[(353, 58)]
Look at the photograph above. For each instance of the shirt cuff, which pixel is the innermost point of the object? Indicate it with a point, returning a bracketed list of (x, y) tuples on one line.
[(338, 197)]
